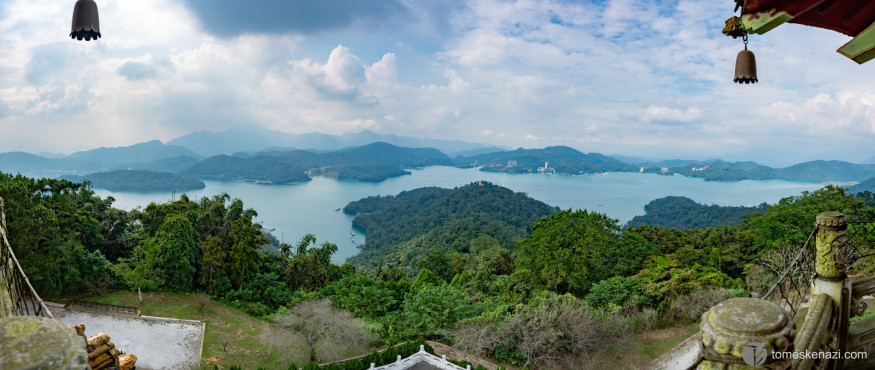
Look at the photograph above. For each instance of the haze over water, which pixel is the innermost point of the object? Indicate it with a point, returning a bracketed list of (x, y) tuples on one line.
[(297, 209)]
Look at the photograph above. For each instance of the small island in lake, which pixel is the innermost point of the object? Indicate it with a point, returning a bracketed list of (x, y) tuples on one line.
[(135, 180)]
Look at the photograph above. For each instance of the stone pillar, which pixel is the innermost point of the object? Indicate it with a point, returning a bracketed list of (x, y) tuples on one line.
[(33, 342), (742, 332), (829, 262), (831, 238)]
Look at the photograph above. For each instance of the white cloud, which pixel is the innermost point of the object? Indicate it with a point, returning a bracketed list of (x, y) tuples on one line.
[(383, 72), (664, 114), (610, 76), (343, 71), (361, 124), (843, 114), (457, 85)]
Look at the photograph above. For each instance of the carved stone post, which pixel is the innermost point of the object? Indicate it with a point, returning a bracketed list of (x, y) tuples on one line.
[(831, 279), (831, 238), (745, 332)]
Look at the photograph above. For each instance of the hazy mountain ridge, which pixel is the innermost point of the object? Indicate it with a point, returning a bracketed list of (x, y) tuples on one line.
[(147, 155), (135, 180), (172, 164), (377, 161), (812, 171), (138, 153), (372, 162), (553, 159), (21, 162), (868, 185), (254, 139)]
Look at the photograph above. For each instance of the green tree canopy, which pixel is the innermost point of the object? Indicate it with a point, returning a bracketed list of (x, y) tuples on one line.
[(179, 252), (247, 239), (566, 251)]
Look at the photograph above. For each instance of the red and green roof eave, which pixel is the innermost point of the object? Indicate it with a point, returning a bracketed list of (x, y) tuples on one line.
[(854, 18)]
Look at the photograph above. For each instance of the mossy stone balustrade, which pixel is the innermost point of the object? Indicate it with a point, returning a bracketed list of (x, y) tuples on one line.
[(734, 329), (33, 342), (832, 281), (738, 327)]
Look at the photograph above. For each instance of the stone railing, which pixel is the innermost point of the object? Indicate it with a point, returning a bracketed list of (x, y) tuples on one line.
[(749, 332), (30, 337), (17, 296)]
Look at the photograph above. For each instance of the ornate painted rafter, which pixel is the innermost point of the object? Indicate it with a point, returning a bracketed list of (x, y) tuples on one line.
[(851, 17)]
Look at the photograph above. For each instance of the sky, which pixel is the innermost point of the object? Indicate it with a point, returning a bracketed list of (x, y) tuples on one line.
[(647, 78)]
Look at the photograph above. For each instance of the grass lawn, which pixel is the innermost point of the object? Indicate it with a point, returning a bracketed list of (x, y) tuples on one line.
[(642, 348), (231, 337)]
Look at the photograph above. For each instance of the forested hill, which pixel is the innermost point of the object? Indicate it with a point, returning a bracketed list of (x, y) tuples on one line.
[(868, 185), (414, 223), (140, 156), (254, 138), (133, 180), (813, 171), (682, 213), (372, 162), (559, 159), (575, 277), (138, 153)]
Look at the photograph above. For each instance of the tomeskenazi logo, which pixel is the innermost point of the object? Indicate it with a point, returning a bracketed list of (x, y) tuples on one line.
[(754, 354)]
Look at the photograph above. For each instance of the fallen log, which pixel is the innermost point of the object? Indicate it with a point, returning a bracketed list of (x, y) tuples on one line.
[(97, 361), (103, 364), (101, 350), (100, 361), (98, 339)]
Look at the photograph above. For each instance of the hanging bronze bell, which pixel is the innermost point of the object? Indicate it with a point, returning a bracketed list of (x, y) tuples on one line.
[(745, 67), (86, 24)]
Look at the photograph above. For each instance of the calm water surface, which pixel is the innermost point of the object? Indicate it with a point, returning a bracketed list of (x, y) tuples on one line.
[(295, 210)]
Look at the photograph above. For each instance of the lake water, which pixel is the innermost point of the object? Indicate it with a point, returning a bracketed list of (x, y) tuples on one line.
[(297, 209)]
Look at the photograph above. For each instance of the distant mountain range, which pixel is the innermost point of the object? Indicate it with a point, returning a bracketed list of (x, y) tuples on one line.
[(259, 154), (372, 162), (813, 171), (254, 138), (140, 156), (554, 159), (133, 180)]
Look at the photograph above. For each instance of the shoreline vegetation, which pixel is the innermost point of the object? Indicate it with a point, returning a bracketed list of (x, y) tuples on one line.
[(481, 268), (135, 180)]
